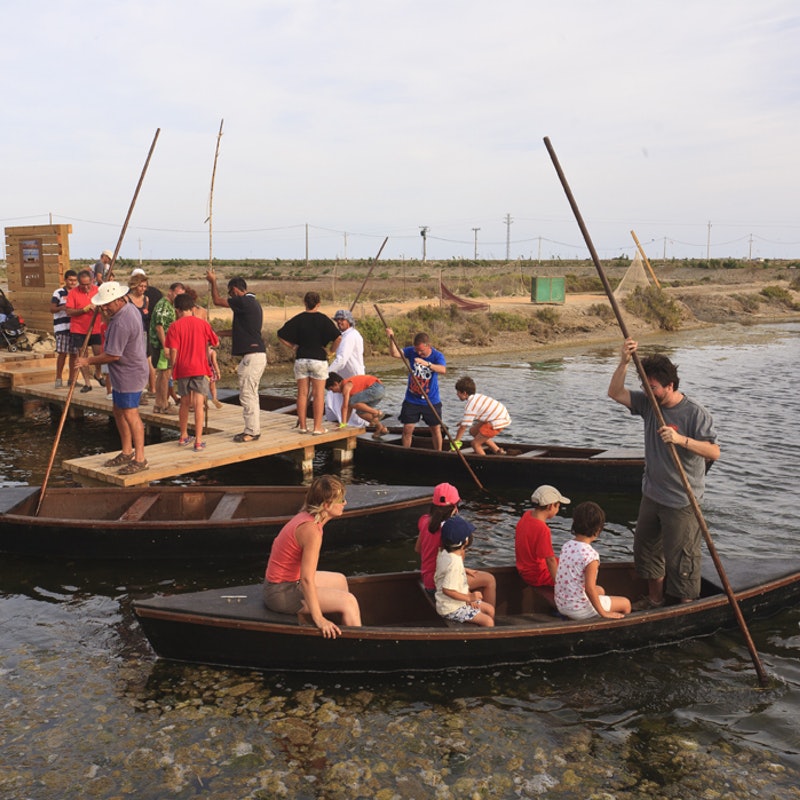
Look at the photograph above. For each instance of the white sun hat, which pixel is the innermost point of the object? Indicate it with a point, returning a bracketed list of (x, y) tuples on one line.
[(112, 290)]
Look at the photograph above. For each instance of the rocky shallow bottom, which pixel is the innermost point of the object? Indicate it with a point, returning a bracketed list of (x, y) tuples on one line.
[(139, 730)]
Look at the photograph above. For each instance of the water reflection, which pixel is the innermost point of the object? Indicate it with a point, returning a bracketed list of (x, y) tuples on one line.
[(679, 721)]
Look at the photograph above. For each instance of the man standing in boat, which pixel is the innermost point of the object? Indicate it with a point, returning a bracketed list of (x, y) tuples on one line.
[(423, 381), (667, 539), (246, 342)]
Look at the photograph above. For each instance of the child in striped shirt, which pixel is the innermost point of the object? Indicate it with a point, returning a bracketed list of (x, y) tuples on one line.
[(483, 417)]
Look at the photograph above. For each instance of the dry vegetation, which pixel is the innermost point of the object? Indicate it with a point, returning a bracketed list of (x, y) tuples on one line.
[(692, 293)]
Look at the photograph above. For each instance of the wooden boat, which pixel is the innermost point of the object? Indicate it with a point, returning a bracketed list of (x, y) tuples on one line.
[(402, 631), (523, 465), (616, 469), (189, 521)]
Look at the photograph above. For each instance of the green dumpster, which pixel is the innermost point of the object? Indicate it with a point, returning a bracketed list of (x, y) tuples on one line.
[(547, 290)]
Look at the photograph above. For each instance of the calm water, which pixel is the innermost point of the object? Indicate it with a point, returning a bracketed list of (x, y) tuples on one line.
[(86, 711)]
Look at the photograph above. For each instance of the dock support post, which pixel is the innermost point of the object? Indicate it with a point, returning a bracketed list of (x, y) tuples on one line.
[(343, 454), (304, 459)]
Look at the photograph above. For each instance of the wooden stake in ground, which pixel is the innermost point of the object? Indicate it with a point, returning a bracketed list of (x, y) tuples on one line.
[(645, 259), (366, 277), (762, 675), (89, 333)]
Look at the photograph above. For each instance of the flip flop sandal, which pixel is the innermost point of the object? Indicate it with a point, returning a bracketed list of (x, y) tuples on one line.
[(184, 441), (198, 446)]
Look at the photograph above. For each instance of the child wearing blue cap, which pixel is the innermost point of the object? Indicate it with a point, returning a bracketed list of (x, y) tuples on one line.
[(454, 600)]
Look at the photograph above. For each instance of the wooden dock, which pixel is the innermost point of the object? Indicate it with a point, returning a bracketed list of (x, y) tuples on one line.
[(20, 368), (279, 433)]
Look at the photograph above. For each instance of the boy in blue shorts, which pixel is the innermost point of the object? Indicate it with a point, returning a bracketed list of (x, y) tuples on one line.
[(426, 365)]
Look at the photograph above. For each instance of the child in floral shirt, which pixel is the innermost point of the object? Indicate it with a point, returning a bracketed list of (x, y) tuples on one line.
[(577, 594)]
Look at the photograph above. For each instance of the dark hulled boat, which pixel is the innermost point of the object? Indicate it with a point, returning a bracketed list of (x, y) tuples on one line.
[(402, 631), (522, 465), (189, 521)]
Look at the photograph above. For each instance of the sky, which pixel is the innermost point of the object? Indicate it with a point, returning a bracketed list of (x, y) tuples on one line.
[(349, 121)]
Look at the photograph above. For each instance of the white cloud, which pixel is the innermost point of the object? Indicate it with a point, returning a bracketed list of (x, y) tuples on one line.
[(378, 117)]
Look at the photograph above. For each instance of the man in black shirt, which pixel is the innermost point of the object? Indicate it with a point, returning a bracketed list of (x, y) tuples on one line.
[(247, 343)]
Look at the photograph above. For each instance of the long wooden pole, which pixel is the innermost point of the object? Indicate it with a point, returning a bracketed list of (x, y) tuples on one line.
[(211, 200), (762, 675), (210, 222), (430, 404), (85, 346), (366, 277), (646, 260)]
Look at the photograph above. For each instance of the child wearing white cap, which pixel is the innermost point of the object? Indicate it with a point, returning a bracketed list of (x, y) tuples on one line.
[(533, 543)]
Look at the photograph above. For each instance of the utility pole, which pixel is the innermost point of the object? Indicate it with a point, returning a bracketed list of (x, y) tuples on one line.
[(423, 232), (345, 245), (750, 251), (475, 231), (306, 245), (708, 243), (508, 236)]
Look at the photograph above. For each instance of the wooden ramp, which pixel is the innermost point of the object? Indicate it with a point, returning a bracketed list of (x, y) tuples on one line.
[(22, 368), (279, 434)]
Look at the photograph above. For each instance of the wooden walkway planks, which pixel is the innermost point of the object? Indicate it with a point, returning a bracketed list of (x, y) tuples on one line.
[(279, 434), (22, 368)]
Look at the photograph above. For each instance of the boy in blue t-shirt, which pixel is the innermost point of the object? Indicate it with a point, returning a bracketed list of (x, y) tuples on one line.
[(426, 366)]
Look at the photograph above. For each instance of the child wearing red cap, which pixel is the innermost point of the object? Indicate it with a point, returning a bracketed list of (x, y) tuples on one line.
[(444, 505)]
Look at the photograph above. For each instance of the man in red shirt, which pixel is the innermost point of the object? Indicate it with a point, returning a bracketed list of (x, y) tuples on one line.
[(533, 543), (81, 313), (187, 343)]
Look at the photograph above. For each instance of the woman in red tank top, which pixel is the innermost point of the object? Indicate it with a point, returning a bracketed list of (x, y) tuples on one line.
[(293, 584)]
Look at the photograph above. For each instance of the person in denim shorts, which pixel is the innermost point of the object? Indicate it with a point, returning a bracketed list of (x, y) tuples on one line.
[(312, 335)]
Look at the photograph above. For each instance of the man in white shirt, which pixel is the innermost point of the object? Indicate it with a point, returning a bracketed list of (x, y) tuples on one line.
[(349, 361)]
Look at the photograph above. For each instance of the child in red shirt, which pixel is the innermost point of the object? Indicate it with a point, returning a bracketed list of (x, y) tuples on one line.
[(533, 543), (187, 343)]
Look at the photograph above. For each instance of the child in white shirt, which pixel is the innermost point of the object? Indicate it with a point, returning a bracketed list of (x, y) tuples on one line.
[(454, 600), (577, 594)]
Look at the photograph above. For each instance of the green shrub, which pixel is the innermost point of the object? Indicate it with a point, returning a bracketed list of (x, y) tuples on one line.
[(779, 295), (507, 321), (749, 302), (548, 316), (583, 284), (601, 310), (653, 305)]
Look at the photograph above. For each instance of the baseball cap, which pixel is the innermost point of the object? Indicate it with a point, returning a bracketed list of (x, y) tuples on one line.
[(455, 531), (343, 313), (107, 253), (547, 495), (138, 271), (445, 494)]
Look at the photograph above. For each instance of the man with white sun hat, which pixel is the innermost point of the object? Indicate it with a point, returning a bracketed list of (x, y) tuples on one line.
[(124, 352)]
